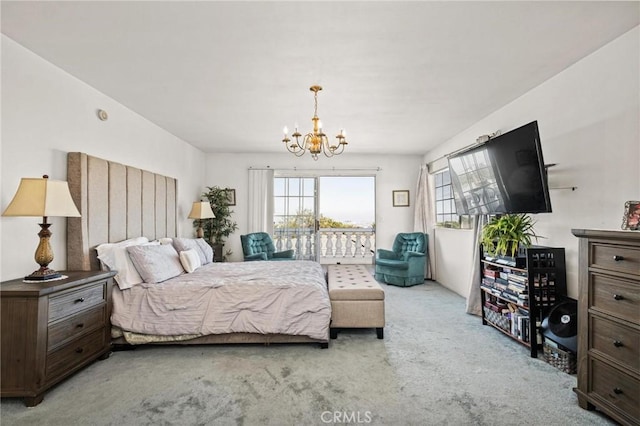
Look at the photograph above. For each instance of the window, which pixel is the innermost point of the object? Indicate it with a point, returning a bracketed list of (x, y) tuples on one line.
[(445, 205), (326, 218)]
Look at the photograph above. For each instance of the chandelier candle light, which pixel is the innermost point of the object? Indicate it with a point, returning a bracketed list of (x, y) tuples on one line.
[(316, 141)]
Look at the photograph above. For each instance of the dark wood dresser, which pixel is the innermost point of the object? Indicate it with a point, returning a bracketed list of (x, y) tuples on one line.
[(609, 323), (51, 330)]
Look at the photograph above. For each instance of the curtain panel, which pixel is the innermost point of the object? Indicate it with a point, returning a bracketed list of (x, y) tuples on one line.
[(474, 305), (260, 216), (423, 219)]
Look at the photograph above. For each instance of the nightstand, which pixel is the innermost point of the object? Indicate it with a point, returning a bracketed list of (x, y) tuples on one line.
[(52, 329)]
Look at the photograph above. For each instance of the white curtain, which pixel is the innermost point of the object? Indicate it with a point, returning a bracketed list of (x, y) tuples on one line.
[(260, 201), (474, 305), (423, 221)]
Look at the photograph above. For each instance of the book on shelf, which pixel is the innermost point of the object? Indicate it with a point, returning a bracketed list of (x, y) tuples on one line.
[(517, 278), (513, 262), (520, 325), (516, 288)]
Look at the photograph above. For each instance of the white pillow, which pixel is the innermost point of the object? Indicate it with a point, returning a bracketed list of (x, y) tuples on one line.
[(190, 260), (206, 249), (116, 258), (105, 251), (156, 263), (165, 240), (182, 244)]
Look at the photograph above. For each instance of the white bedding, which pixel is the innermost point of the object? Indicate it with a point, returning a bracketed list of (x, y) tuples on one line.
[(282, 297)]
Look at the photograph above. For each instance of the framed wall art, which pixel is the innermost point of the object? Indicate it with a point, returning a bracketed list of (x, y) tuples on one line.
[(231, 196), (401, 198)]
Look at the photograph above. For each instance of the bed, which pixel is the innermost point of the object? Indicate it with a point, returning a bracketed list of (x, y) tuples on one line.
[(235, 302)]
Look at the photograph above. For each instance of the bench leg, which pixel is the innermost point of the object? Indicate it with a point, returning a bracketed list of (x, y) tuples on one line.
[(380, 332), (333, 333)]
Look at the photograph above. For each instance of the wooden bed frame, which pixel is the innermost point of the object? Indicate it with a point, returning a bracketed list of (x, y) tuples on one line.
[(118, 202)]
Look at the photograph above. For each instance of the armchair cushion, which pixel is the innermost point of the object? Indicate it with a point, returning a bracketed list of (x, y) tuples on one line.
[(404, 265), (285, 254), (256, 256), (387, 254)]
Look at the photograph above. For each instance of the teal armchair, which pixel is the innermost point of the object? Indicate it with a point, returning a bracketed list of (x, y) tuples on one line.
[(259, 246), (404, 265)]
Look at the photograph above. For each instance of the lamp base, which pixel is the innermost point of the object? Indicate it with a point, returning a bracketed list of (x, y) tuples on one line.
[(43, 274)]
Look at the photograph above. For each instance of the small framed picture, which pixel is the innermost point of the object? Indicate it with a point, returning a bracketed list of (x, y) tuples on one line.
[(401, 198), (631, 218), (231, 196)]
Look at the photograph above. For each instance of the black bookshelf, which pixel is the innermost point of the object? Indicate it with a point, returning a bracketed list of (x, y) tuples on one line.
[(516, 293)]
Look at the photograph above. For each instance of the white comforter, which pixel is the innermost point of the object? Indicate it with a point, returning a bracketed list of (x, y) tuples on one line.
[(282, 297)]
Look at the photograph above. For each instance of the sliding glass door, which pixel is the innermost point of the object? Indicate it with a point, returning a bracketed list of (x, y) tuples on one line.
[(330, 219), (294, 217)]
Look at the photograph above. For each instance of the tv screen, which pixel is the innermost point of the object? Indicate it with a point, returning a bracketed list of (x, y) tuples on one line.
[(506, 174)]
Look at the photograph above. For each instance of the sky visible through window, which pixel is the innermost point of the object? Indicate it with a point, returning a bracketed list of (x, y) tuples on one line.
[(348, 199)]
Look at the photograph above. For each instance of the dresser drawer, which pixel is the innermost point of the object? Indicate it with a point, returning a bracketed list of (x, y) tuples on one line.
[(615, 258), (69, 303), (616, 388), (65, 359), (78, 324), (616, 297), (616, 341)]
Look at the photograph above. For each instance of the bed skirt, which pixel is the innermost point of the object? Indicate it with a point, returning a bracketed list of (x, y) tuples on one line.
[(120, 337)]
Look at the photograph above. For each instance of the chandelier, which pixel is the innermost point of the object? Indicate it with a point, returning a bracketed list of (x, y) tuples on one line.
[(316, 141)]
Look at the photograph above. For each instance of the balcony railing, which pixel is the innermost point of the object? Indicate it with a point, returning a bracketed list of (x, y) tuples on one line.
[(336, 245)]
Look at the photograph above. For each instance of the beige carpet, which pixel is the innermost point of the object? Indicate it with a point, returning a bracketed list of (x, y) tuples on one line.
[(436, 366)]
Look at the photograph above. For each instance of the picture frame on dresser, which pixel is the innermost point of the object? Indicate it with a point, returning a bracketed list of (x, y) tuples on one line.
[(631, 217)]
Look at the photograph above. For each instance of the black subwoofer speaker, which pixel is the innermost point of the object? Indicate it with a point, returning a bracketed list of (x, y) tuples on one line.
[(561, 324)]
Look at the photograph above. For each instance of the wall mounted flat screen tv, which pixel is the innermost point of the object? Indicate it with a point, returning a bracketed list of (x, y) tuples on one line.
[(506, 174)]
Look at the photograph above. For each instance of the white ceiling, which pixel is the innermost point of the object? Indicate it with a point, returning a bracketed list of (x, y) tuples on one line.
[(400, 77)]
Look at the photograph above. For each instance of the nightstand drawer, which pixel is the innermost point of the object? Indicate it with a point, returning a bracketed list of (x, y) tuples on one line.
[(71, 302), (616, 258), (616, 341), (615, 297), (616, 388), (65, 359), (76, 325)]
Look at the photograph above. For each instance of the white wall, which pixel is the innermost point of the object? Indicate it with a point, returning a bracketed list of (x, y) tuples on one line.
[(589, 125), (397, 172), (46, 113)]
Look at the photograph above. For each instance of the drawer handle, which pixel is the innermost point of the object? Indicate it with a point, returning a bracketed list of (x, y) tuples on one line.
[(618, 297), (618, 343), (618, 258), (82, 325), (79, 300), (80, 350), (617, 391)]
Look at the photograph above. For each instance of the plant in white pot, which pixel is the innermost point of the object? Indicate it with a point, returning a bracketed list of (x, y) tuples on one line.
[(504, 234)]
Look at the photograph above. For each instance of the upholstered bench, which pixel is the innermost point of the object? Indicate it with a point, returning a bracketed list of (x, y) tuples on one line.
[(357, 300)]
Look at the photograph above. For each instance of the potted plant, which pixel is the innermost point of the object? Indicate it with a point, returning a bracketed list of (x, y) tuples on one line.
[(504, 234), (217, 229)]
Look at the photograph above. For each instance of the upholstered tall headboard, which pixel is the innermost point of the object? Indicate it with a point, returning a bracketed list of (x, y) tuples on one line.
[(116, 202)]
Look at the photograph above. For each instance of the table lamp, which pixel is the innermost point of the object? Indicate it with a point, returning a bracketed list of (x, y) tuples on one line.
[(201, 210), (46, 198)]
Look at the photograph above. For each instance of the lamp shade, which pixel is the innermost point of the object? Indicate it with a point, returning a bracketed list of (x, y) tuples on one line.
[(42, 197), (201, 210)]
